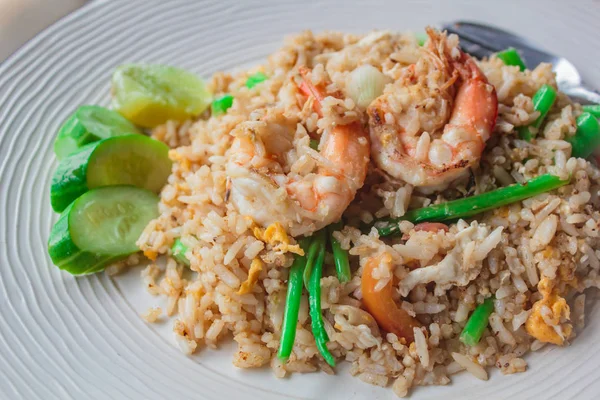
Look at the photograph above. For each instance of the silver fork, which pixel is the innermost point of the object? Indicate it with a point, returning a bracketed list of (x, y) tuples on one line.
[(482, 40)]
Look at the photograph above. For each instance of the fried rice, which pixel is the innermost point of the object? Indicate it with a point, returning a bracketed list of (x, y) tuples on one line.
[(536, 257)]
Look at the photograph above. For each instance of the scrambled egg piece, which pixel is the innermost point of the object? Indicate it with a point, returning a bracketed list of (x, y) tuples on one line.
[(276, 236), (151, 254), (386, 139), (502, 212), (255, 267), (538, 327), (566, 272)]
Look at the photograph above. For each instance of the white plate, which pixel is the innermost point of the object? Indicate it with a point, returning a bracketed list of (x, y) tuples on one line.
[(62, 337)]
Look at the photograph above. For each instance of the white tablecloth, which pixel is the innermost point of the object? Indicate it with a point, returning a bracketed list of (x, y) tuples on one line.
[(20, 20)]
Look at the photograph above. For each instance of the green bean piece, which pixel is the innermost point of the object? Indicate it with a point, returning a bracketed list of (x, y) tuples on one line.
[(292, 304), (593, 109), (178, 251), (340, 256), (317, 240), (511, 56), (314, 302), (587, 137), (543, 100), (221, 105), (314, 144), (478, 321), (255, 79), (474, 205)]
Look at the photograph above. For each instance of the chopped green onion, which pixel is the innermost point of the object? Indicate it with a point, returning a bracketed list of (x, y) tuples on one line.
[(178, 251), (421, 38), (292, 304), (471, 334), (255, 79), (510, 56), (314, 301), (587, 137), (474, 205), (314, 144), (318, 240), (543, 100), (593, 109), (221, 105), (340, 256)]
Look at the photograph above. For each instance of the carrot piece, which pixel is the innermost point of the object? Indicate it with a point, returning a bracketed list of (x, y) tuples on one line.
[(382, 307)]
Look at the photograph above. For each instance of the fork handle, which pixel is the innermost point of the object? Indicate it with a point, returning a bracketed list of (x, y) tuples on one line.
[(581, 94)]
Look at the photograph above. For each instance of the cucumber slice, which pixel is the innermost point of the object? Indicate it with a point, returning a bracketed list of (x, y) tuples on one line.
[(89, 124), (66, 255), (149, 95), (101, 227), (123, 160)]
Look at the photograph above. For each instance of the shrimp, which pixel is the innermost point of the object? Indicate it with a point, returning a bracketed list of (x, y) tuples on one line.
[(430, 126), (263, 186)]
